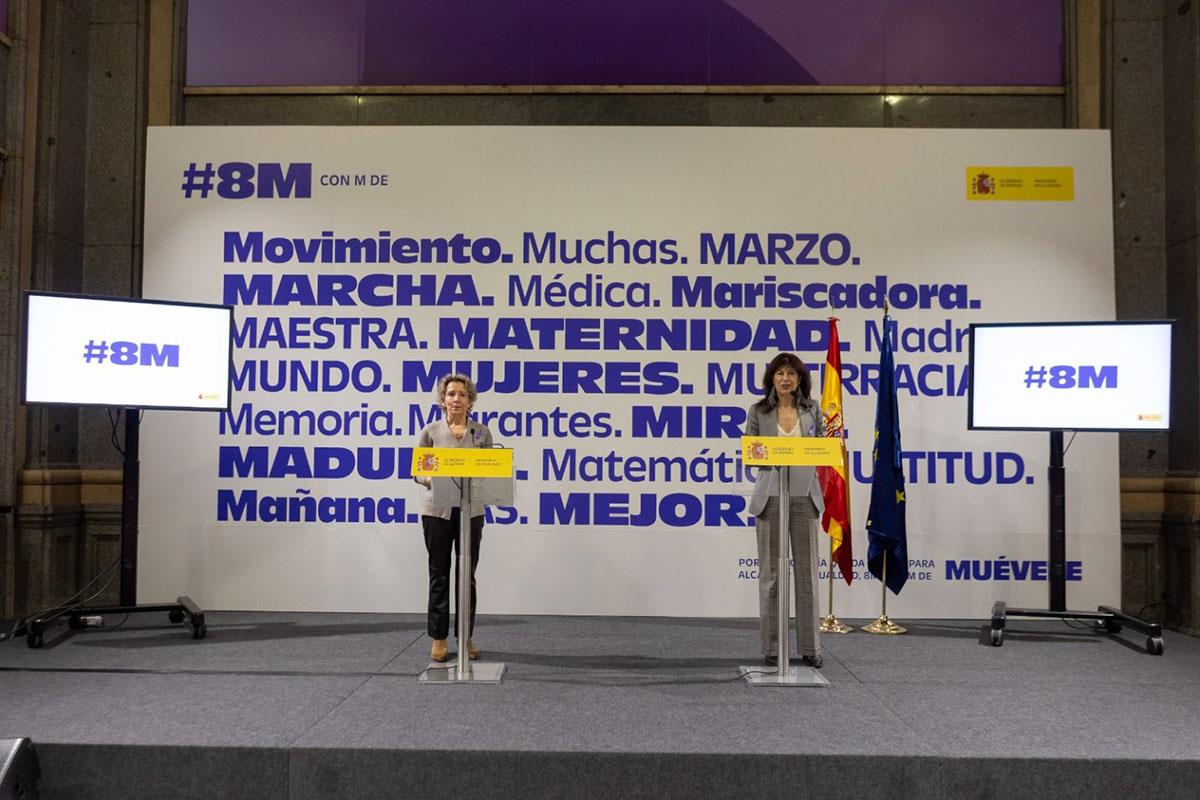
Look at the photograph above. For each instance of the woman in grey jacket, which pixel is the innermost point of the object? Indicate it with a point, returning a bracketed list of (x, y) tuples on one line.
[(456, 396), (787, 409)]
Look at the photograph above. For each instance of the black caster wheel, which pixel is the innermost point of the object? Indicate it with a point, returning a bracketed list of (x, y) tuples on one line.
[(1112, 626), (199, 631), (175, 616), (1154, 645), (34, 640), (997, 637), (75, 623)]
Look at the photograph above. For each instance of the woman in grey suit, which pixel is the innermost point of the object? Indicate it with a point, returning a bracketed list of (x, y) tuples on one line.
[(456, 396), (787, 409)]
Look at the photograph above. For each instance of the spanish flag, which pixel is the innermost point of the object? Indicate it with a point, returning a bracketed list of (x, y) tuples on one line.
[(834, 483)]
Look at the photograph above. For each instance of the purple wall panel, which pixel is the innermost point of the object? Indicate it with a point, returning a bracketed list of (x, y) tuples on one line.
[(654, 41), (535, 42), (981, 43), (275, 42), (791, 42), (698, 42), (435, 43)]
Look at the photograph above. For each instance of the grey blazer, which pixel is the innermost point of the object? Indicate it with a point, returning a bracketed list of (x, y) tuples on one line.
[(803, 479), (437, 434)]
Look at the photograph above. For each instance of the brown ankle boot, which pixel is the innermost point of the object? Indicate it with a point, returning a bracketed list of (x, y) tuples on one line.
[(439, 652)]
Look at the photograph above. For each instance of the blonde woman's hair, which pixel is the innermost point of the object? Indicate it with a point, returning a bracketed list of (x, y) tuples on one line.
[(446, 380)]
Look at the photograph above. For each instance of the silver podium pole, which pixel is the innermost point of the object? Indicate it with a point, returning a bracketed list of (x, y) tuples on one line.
[(784, 674), (463, 671)]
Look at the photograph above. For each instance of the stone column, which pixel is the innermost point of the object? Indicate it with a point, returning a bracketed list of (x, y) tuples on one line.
[(1135, 113), (1152, 94), (77, 78), (1181, 520), (49, 515)]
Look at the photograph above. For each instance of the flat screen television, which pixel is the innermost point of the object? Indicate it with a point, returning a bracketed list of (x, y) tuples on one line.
[(117, 352), (1083, 376)]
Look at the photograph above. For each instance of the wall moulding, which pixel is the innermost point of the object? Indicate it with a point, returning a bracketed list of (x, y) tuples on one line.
[(59, 487), (623, 89)]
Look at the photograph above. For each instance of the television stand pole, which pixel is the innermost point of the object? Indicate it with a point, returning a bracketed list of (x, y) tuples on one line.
[(1105, 618), (182, 608)]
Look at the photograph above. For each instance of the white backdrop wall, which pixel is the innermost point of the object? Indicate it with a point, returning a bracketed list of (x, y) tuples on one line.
[(620, 379)]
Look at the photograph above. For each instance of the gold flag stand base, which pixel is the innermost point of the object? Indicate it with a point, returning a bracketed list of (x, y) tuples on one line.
[(832, 624), (884, 626)]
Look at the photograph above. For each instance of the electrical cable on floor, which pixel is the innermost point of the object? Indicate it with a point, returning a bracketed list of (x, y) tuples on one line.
[(1076, 625), (59, 609), (1169, 609), (114, 418)]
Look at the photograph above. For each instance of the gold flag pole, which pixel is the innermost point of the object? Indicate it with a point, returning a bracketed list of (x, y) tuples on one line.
[(830, 623), (883, 624)]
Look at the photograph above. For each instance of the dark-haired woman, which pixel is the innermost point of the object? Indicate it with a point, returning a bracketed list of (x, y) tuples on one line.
[(787, 409)]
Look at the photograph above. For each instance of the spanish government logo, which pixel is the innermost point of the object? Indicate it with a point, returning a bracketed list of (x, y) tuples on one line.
[(990, 183), (428, 463), (982, 184)]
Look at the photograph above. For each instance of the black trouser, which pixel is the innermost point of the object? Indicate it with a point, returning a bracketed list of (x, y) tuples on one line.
[(440, 536)]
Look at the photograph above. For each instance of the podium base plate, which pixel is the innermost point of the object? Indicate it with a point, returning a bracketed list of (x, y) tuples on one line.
[(481, 672), (789, 676)]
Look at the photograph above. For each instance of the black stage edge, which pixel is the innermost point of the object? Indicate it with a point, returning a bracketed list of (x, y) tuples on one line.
[(1109, 619), (305, 706), (77, 616)]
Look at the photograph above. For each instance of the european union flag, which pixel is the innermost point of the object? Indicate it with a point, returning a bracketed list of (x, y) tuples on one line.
[(886, 533)]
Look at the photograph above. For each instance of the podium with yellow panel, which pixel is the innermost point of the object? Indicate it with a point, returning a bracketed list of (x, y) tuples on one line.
[(458, 474), (781, 453)]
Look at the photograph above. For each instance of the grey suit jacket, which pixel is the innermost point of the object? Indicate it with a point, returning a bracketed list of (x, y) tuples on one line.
[(437, 434), (803, 480)]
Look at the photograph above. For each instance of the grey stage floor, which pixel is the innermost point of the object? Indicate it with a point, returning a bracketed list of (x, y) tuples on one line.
[(328, 705)]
